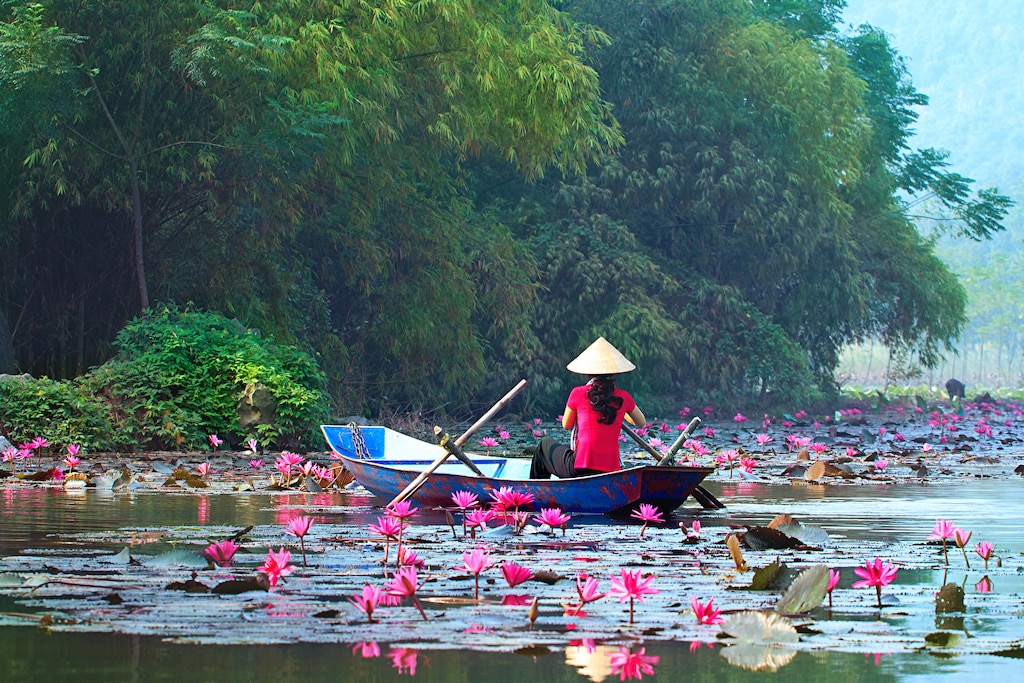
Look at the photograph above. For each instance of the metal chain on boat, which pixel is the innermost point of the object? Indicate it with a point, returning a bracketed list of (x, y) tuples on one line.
[(362, 452)]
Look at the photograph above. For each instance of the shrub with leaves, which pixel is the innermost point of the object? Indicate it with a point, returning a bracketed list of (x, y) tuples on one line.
[(179, 375), (62, 412)]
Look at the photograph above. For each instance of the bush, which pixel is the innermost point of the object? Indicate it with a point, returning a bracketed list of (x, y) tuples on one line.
[(63, 412), (179, 376)]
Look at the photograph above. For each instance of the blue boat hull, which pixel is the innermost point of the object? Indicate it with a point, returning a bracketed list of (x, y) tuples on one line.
[(609, 493)]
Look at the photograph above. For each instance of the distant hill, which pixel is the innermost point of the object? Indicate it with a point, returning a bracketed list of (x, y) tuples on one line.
[(966, 57)]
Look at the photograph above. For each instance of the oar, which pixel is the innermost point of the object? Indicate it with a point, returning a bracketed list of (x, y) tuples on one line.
[(416, 483), (678, 443), (700, 494)]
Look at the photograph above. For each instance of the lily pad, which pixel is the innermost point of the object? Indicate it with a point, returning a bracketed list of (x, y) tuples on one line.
[(177, 558), (806, 592), (760, 628)]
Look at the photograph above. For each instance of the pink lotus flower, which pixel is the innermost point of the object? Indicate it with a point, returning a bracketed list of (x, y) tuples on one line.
[(38, 443), (647, 514), (693, 531), (553, 517), (409, 558), (875, 574), (739, 417), (465, 499), (515, 574), (925, 448), (489, 442), (404, 584), (57, 474), (366, 650), (629, 586), (367, 601), (73, 449), (706, 614), (833, 581), (479, 518), (475, 562), (203, 469), (286, 462), (709, 432), (71, 462), (881, 464), (299, 526), (747, 465), (215, 441), (630, 665), (587, 587), (252, 445), (390, 528), (984, 550), (403, 510), (943, 530), (276, 565), (256, 463), (221, 552), (503, 434), (763, 439)]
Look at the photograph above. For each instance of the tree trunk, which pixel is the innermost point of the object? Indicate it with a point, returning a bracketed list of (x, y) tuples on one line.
[(140, 267), (6, 346)]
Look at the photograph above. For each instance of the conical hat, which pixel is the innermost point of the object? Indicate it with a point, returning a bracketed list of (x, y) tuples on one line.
[(600, 358)]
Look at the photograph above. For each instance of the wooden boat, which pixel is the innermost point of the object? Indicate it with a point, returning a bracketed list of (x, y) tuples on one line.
[(386, 461)]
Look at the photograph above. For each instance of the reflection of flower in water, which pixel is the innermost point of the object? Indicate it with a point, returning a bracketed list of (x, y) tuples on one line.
[(630, 665), (984, 586), (593, 661), (366, 650), (403, 659), (203, 510)]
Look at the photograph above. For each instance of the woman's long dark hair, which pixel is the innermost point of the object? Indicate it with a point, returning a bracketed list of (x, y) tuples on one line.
[(600, 395)]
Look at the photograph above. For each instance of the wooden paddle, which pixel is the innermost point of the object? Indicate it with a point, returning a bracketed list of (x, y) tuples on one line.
[(416, 483), (700, 494)]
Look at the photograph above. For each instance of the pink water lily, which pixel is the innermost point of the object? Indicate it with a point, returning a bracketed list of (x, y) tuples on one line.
[(984, 550), (706, 614), (299, 526), (943, 530), (367, 601), (71, 462), (390, 528), (647, 514), (875, 574), (286, 462), (366, 650), (409, 558), (465, 499), (747, 465), (404, 584), (630, 586), (489, 442), (587, 587), (479, 518), (833, 581), (276, 565), (252, 445), (256, 463), (203, 469), (475, 562), (553, 517), (961, 538), (630, 665), (215, 441), (221, 552), (515, 574)]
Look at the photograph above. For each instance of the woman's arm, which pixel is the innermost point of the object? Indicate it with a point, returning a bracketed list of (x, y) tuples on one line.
[(568, 418), (636, 417)]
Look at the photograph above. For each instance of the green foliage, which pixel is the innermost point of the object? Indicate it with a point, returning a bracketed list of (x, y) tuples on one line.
[(180, 374), (62, 412)]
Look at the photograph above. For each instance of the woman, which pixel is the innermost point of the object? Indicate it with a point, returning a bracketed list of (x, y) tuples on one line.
[(594, 411)]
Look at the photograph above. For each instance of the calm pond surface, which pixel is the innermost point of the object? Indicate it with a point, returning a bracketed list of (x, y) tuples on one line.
[(44, 518)]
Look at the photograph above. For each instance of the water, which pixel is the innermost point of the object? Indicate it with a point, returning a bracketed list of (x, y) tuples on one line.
[(40, 519)]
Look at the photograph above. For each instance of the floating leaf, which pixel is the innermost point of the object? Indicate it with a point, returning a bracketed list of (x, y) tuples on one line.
[(737, 555), (806, 592), (765, 538), (942, 639), (809, 535), (10, 580), (313, 486), (238, 586), (123, 557), (760, 628), (764, 576), (177, 558)]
